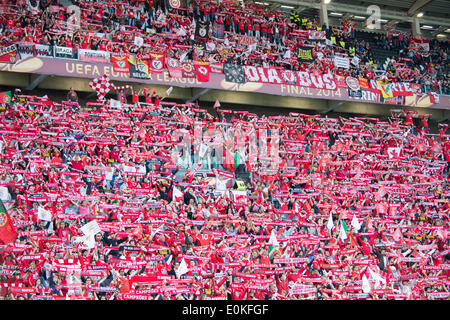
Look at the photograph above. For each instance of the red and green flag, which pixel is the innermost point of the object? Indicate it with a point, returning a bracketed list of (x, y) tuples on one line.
[(5, 97)]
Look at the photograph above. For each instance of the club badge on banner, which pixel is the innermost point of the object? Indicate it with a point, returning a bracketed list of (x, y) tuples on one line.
[(201, 30), (188, 70), (174, 68), (156, 62), (9, 54), (202, 68), (120, 63), (138, 68), (354, 89)]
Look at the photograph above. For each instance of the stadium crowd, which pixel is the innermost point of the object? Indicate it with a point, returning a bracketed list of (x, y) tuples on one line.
[(166, 201), (274, 37)]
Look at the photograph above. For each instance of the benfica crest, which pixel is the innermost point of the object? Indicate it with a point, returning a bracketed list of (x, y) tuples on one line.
[(157, 64), (289, 77), (203, 70), (173, 63)]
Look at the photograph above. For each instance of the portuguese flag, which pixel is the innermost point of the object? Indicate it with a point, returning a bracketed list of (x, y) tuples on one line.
[(5, 97), (274, 245), (7, 232)]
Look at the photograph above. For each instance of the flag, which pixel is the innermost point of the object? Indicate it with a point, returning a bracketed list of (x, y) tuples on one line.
[(7, 232), (157, 62), (369, 224), (330, 222), (182, 268), (138, 41), (174, 68), (394, 152), (217, 104), (120, 63), (365, 284), (355, 223), (5, 97), (187, 70), (352, 240), (102, 86), (234, 73), (115, 104), (397, 234), (375, 276), (201, 30), (202, 68), (168, 259), (138, 68), (273, 245), (343, 231), (273, 241), (44, 214), (386, 90), (177, 195), (169, 91)]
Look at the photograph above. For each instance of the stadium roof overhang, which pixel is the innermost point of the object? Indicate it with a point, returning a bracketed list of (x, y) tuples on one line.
[(435, 12)]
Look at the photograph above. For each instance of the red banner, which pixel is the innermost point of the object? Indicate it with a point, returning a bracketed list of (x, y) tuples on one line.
[(174, 68), (9, 54), (120, 63), (156, 62), (202, 68)]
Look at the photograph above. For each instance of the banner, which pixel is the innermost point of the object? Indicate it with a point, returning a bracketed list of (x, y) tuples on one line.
[(96, 56), (354, 89), (304, 54), (157, 62), (188, 70), (201, 30), (288, 77), (316, 35), (199, 50), (341, 62), (174, 68), (245, 40), (66, 53), (363, 83), (43, 51), (218, 30), (120, 63), (202, 69), (216, 67), (138, 68), (392, 89), (9, 54), (234, 73), (90, 70), (26, 50)]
